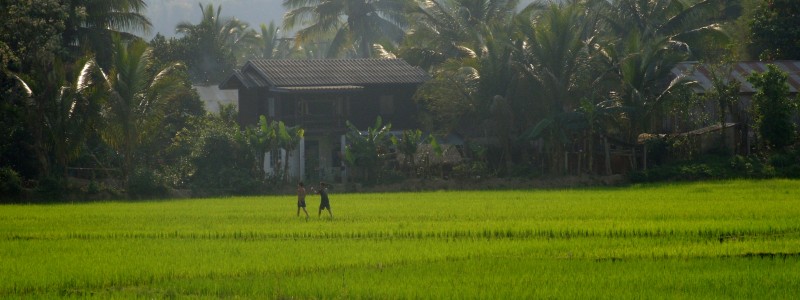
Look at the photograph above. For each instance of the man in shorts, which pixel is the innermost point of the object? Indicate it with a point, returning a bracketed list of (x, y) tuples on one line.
[(324, 203), (301, 199)]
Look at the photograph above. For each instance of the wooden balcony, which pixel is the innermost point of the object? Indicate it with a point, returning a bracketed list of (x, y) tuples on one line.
[(316, 123)]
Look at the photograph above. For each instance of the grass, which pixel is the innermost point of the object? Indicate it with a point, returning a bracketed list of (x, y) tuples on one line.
[(731, 239)]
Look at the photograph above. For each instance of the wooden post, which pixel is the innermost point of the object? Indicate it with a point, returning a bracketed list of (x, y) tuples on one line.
[(644, 160)]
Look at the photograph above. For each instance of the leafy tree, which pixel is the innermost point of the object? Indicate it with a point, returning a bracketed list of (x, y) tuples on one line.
[(772, 108), (725, 93), (775, 30), (171, 50), (448, 99), (358, 24), (222, 159), (30, 43)]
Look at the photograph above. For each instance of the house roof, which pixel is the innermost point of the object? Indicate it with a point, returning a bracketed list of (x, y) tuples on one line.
[(323, 74), (703, 73)]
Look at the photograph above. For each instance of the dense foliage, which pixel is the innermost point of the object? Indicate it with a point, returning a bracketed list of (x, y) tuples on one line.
[(773, 108), (775, 29), (553, 88)]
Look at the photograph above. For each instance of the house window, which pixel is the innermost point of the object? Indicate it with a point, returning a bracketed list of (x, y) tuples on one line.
[(387, 105)]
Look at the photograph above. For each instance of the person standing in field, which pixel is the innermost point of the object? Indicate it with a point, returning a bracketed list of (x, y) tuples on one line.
[(301, 199), (324, 201)]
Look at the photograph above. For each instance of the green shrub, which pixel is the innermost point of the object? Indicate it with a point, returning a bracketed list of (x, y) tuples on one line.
[(787, 164), (10, 184), (223, 167), (146, 183), (470, 169), (707, 167), (51, 189)]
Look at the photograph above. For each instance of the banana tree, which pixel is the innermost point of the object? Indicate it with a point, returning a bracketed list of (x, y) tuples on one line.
[(367, 149), (408, 144), (288, 139), (272, 137)]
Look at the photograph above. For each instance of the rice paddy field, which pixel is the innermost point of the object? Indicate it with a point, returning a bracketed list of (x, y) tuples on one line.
[(721, 240)]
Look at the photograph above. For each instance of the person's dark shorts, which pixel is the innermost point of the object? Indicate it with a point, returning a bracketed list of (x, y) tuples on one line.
[(301, 203), (325, 204)]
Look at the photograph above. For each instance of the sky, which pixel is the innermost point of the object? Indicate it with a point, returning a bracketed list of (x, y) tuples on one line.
[(165, 14)]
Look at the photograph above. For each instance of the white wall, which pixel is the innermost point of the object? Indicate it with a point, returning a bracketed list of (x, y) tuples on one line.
[(212, 97)]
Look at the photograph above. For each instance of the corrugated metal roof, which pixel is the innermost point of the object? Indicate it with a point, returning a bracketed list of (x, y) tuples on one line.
[(702, 73), (319, 89), (246, 79), (332, 72)]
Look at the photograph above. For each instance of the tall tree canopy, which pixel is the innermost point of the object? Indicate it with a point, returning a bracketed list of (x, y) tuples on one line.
[(357, 24), (775, 30)]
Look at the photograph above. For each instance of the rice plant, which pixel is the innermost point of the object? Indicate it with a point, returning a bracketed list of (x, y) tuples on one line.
[(731, 239)]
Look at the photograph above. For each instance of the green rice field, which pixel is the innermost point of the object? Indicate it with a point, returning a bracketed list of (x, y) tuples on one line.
[(718, 240)]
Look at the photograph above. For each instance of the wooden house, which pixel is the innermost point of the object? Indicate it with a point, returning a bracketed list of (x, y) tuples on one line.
[(320, 96), (739, 113)]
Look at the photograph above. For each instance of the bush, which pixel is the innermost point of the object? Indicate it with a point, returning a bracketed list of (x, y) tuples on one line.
[(470, 169), (51, 189), (787, 164), (10, 184), (146, 183), (705, 168), (223, 167)]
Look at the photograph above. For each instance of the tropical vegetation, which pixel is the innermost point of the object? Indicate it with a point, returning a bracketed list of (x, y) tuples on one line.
[(549, 89)]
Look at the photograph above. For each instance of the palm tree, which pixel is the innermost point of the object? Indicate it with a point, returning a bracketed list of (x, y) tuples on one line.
[(219, 44), (556, 48), (554, 60), (76, 113), (270, 45), (92, 23), (135, 98), (645, 40), (684, 23), (445, 29), (268, 41), (63, 105), (467, 46), (358, 24)]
